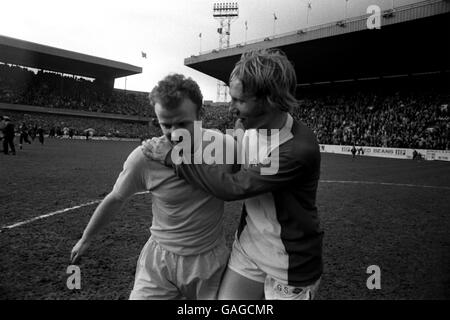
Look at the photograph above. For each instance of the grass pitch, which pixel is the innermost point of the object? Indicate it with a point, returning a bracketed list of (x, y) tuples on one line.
[(402, 227)]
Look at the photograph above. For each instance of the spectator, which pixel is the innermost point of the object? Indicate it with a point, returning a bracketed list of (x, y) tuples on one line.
[(8, 139)]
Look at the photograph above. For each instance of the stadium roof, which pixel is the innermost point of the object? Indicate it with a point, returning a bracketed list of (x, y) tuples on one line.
[(412, 39), (39, 56)]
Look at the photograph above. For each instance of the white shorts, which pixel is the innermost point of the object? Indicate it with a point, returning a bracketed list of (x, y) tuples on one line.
[(274, 289), (161, 274)]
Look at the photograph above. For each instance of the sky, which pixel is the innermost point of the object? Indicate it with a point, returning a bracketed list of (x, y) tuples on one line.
[(167, 31)]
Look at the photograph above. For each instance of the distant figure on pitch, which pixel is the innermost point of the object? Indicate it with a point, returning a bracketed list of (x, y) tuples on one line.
[(353, 150), (2, 126), (23, 135), (40, 133), (32, 132), (8, 136), (417, 155)]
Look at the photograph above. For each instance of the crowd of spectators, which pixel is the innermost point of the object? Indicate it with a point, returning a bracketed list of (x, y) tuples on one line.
[(398, 120), (52, 90), (406, 118), (58, 125), (216, 116)]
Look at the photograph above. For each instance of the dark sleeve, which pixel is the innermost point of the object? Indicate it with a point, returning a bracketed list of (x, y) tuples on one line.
[(245, 183)]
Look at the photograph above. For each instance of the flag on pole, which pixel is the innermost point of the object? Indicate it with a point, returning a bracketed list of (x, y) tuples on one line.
[(309, 5), (200, 35), (246, 27), (274, 17), (144, 55)]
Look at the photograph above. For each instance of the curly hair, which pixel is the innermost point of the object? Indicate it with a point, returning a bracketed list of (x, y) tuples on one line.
[(171, 91), (267, 74)]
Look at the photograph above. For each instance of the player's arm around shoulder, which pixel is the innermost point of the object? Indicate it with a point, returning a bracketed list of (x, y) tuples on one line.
[(283, 169)]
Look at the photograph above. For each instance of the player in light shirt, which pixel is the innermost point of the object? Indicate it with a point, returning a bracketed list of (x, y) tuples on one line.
[(186, 254)]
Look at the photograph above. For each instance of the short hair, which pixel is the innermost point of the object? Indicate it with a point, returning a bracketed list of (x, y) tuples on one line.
[(267, 74), (171, 91)]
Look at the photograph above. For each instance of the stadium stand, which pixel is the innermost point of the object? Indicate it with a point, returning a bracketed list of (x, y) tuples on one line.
[(216, 116), (103, 127), (410, 111), (365, 115), (54, 88), (334, 59), (399, 117), (397, 120), (23, 86)]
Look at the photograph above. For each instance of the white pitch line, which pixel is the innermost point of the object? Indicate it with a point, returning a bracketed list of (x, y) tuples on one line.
[(385, 184), (18, 224), (50, 214)]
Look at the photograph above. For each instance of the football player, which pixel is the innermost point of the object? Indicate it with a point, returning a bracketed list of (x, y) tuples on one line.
[(186, 255)]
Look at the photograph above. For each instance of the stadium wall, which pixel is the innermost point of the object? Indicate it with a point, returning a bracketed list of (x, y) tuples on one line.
[(395, 153)]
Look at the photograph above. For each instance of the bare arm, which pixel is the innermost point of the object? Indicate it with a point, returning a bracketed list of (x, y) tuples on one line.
[(104, 213), (129, 182)]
